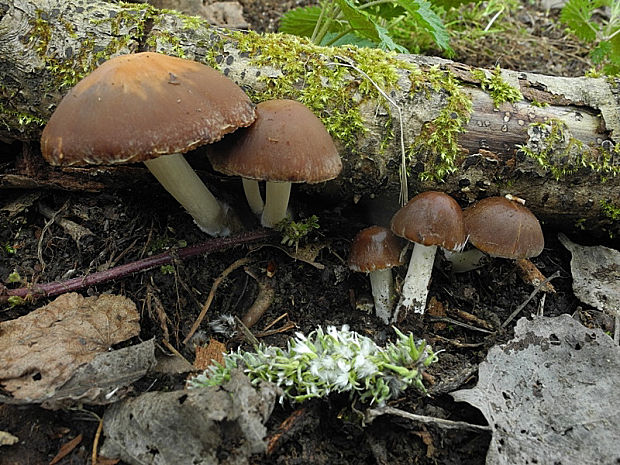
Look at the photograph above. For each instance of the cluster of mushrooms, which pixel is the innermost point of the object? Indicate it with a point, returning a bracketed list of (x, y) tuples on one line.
[(495, 226), (150, 107)]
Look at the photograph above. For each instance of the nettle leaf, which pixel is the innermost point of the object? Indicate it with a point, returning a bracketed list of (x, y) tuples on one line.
[(347, 39), (364, 26), (421, 11), (577, 15), (300, 21), (447, 4)]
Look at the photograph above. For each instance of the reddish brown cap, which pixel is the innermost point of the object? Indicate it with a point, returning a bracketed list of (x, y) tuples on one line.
[(286, 143), (504, 228), (374, 248), (431, 218), (137, 107)]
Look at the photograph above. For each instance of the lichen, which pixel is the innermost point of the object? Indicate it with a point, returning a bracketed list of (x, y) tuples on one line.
[(438, 139), (553, 147), (499, 90)]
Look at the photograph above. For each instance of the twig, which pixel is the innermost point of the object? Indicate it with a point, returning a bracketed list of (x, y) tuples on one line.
[(207, 304), (96, 441), (60, 287), (404, 189), (452, 321), (371, 414), (531, 296)]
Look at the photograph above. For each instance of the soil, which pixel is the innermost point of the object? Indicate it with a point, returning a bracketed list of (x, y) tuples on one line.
[(132, 224)]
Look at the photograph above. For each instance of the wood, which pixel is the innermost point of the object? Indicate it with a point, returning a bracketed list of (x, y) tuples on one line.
[(42, 41)]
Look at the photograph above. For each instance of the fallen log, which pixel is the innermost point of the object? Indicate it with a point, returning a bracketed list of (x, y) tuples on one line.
[(473, 133)]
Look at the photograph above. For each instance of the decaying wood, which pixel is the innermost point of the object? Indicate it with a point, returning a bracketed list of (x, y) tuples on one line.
[(39, 37)]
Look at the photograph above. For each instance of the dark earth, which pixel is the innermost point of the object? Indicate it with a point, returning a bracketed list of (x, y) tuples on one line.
[(134, 222)]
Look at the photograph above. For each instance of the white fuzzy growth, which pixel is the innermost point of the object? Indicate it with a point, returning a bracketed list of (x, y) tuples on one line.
[(180, 180), (276, 203), (253, 196), (383, 293), (415, 285)]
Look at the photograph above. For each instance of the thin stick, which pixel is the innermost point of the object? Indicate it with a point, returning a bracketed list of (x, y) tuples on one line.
[(534, 292), (207, 304), (96, 441), (373, 413), (404, 189), (121, 271)]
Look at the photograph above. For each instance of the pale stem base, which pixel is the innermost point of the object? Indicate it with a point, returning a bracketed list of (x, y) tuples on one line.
[(182, 182), (276, 203), (415, 285), (382, 287), (253, 196)]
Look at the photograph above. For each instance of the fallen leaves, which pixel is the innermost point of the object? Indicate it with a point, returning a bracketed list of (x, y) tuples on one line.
[(43, 349)]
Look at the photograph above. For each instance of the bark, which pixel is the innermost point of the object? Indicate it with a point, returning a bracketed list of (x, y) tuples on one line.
[(47, 44)]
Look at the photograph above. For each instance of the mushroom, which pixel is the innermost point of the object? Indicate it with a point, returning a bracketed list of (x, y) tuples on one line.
[(287, 143), (151, 108), (503, 228), (429, 219), (375, 250)]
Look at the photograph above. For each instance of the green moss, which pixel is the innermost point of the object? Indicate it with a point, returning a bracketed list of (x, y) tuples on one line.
[(561, 154), (319, 77), (19, 121), (610, 210), (438, 138), (499, 90)]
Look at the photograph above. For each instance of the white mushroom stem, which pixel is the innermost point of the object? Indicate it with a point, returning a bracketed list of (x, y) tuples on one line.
[(465, 261), (382, 287), (182, 182), (253, 196), (276, 203), (415, 286)]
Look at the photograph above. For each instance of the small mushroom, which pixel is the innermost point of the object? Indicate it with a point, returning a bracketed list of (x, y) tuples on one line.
[(430, 220), (503, 228), (151, 108), (375, 250), (287, 143)]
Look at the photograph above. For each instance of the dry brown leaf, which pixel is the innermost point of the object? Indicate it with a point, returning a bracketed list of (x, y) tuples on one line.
[(206, 356), (41, 350), (66, 449)]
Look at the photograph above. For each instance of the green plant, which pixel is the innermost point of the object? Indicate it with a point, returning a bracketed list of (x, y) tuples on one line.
[(369, 23), (293, 232), (579, 16), (336, 361)]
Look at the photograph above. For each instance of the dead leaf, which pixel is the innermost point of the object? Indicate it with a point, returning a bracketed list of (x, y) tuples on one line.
[(550, 395), (41, 350), (206, 356), (7, 439), (66, 449)]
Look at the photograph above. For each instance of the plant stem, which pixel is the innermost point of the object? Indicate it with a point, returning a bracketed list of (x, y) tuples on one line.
[(117, 272)]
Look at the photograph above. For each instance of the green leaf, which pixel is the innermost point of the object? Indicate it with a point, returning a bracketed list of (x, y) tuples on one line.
[(359, 21), (347, 39), (577, 15), (421, 11), (300, 21), (447, 4)]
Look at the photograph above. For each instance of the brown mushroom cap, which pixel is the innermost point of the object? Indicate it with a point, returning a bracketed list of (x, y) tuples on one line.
[(503, 228), (374, 248), (286, 143), (431, 218), (137, 107)]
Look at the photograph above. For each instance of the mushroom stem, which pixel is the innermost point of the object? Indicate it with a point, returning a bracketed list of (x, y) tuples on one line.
[(465, 261), (415, 285), (276, 203), (253, 196), (382, 287), (182, 182)]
